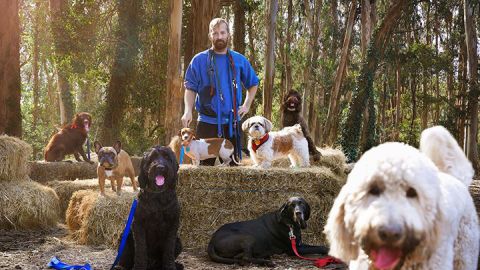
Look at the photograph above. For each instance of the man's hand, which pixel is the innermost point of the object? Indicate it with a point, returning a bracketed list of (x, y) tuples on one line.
[(243, 110), (186, 119)]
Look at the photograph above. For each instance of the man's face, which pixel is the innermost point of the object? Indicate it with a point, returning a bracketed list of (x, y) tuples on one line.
[(219, 37)]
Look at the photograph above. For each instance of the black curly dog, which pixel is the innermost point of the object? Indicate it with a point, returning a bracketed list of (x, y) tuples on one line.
[(254, 241), (153, 242), (292, 114)]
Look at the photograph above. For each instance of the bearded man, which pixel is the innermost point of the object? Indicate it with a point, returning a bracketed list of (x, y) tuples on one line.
[(213, 82)]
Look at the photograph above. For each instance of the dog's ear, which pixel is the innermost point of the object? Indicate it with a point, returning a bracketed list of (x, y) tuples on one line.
[(97, 146), (117, 146), (268, 125), (143, 177), (307, 210), (282, 212), (339, 234), (246, 124)]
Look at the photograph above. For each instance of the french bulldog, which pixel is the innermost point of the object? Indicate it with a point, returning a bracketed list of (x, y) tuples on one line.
[(113, 164)]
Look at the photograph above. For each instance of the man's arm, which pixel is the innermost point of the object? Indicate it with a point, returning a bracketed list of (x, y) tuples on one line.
[(248, 101), (188, 99)]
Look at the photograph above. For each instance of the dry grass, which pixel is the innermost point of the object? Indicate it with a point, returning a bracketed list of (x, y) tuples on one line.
[(28, 205), (475, 192), (65, 189), (14, 155)]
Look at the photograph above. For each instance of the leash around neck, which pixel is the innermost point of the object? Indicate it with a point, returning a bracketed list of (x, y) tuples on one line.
[(320, 262)]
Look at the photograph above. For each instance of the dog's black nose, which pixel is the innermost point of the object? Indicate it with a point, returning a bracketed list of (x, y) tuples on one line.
[(390, 233)]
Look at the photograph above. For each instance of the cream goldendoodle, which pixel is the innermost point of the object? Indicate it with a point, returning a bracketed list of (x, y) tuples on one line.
[(402, 208)]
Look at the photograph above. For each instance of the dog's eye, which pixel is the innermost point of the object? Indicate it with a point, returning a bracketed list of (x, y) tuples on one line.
[(411, 193), (375, 190)]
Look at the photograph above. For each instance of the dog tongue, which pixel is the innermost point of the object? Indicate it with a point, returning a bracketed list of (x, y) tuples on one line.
[(385, 258), (87, 128), (160, 180)]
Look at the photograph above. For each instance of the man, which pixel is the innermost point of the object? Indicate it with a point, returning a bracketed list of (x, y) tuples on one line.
[(213, 81)]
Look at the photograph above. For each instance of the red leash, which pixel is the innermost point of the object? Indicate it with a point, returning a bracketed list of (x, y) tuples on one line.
[(327, 260)]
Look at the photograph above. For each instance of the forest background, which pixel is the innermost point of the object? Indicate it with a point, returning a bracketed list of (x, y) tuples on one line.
[(369, 71)]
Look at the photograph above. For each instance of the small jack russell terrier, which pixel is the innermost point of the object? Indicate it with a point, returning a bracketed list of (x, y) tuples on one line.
[(266, 146), (206, 148)]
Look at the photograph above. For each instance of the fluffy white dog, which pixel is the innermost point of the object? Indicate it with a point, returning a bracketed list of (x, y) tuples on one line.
[(406, 209), (266, 146)]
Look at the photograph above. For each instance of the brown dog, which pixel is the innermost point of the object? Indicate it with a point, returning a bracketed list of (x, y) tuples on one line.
[(113, 164), (70, 139), (292, 114)]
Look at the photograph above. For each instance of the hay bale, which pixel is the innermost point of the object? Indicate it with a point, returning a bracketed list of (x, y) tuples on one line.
[(213, 196), (475, 192), (65, 189), (94, 219), (332, 158), (14, 155), (44, 172), (28, 205)]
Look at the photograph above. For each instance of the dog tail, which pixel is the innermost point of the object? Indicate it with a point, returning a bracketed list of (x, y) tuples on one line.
[(216, 258), (298, 131), (442, 148)]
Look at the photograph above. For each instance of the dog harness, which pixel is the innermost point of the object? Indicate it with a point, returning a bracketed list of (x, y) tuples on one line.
[(258, 142), (321, 262)]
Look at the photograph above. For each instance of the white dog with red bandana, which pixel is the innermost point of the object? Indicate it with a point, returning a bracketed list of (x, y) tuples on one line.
[(266, 146)]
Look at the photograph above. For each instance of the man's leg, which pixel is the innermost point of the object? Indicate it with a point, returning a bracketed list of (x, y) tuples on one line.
[(206, 130)]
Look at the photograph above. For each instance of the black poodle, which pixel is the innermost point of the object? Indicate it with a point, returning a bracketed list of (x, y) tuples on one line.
[(153, 242)]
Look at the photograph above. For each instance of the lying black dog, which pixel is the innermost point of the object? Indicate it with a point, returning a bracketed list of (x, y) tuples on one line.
[(153, 242), (254, 241), (292, 114)]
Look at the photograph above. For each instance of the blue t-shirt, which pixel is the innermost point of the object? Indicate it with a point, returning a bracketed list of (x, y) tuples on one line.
[(207, 66)]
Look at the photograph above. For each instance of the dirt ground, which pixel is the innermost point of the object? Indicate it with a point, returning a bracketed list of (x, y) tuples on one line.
[(34, 249)]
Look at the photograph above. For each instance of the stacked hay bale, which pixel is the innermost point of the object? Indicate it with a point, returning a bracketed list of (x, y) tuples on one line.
[(24, 204), (95, 219), (211, 197)]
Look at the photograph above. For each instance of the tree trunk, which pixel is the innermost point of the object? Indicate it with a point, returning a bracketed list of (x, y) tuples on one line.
[(58, 9), (288, 64), (398, 111), (202, 12), (35, 68), (473, 91), (269, 59), (173, 111), (364, 87), (333, 108), (239, 24), (10, 114), (122, 69)]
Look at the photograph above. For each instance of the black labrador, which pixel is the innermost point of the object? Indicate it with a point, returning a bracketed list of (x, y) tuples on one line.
[(254, 241), (153, 242)]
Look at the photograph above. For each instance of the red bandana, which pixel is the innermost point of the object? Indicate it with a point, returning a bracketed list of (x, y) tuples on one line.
[(257, 143), (74, 126)]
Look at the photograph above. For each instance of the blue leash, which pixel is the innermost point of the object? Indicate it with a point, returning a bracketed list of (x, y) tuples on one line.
[(182, 153), (125, 233), (55, 263)]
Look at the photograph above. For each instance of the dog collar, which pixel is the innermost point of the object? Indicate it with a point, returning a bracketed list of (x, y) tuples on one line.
[(258, 142)]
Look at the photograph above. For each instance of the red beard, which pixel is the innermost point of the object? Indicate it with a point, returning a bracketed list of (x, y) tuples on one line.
[(220, 44)]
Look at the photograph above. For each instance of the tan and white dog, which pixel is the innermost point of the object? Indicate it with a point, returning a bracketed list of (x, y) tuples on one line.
[(113, 164), (203, 149), (266, 146)]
